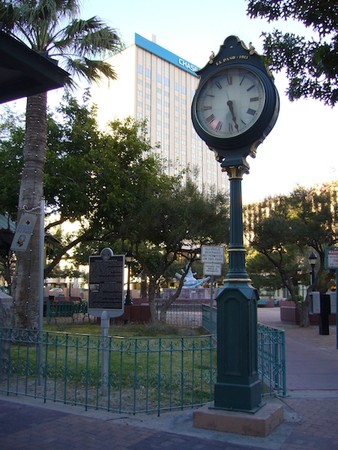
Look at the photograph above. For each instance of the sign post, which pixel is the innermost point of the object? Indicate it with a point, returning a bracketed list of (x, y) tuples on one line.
[(106, 298)]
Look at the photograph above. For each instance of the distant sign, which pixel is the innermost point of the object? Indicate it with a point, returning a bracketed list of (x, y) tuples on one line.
[(212, 269), (212, 254), (106, 291), (23, 232), (331, 258)]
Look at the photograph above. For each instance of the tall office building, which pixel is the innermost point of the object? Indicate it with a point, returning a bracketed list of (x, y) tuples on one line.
[(159, 86)]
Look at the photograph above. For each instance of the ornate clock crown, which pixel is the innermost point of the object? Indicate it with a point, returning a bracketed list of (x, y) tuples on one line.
[(234, 50)]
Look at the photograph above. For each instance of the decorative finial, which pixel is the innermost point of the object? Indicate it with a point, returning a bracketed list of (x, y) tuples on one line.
[(251, 48), (211, 58)]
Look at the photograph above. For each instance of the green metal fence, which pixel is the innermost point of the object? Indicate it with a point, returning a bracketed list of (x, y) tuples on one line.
[(123, 375), (271, 359), (271, 353), (127, 375)]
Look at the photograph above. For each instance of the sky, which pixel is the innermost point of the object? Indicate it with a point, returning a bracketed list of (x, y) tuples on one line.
[(302, 147)]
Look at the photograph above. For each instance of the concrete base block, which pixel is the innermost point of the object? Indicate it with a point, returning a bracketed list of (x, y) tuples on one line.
[(261, 423)]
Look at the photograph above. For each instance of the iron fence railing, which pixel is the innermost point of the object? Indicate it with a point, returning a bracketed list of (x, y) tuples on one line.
[(123, 375), (183, 314), (127, 375), (271, 352), (272, 359)]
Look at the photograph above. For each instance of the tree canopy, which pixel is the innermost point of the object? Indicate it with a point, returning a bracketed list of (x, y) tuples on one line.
[(311, 65), (112, 185), (294, 226), (175, 222), (53, 28)]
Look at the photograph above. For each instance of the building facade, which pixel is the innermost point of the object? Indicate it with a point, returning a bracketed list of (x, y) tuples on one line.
[(157, 85)]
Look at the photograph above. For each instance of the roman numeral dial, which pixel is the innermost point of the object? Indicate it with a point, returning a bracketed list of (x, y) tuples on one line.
[(230, 102)]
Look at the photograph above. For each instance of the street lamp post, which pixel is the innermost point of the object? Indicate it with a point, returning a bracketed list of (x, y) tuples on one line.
[(324, 300), (129, 259), (70, 284), (312, 262)]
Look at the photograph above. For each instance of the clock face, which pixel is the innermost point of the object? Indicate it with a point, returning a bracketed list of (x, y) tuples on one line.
[(230, 102)]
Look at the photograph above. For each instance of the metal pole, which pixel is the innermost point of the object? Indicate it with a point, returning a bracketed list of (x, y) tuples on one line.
[(312, 274), (128, 299), (211, 301), (105, 354), (238, 387), (211, 291)]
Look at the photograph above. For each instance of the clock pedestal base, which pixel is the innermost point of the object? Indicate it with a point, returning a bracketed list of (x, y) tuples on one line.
[(262, 423), (243, 398), (238, 387)]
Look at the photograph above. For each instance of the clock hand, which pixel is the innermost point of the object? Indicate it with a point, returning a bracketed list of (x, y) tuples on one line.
[(231, 107)]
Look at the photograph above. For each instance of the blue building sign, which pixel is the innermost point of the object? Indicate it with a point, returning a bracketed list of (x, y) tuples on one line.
[(161, 52)]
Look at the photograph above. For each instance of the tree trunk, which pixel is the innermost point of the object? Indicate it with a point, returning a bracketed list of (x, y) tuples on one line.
[(27, 277), (151, 299), (303, 309), (143, 293), (167, 303)]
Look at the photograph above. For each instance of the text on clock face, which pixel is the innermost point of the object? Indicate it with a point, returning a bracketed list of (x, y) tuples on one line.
[(230, 102)]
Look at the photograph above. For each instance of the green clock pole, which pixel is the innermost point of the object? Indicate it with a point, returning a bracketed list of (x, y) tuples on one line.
[(238, 387), (235, 107)]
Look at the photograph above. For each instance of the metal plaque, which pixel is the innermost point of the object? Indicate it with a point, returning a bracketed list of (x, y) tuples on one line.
[(106, 284)]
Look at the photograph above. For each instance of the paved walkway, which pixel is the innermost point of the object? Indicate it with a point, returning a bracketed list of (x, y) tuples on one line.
[(311, 412)]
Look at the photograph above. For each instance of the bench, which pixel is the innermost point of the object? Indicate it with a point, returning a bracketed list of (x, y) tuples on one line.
[(64, 309)]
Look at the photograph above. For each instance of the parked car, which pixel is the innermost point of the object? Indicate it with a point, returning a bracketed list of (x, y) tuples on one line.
[(262, 302), (57, 292)]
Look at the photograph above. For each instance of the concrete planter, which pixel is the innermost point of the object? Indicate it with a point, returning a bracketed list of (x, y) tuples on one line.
[(135, 314), (289, 313)]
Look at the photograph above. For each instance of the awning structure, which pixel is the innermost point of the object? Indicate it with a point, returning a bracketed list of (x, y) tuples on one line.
[(24, 72)]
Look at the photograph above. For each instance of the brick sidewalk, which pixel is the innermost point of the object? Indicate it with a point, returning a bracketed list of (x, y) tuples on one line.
[(311, 424), (311, 412)]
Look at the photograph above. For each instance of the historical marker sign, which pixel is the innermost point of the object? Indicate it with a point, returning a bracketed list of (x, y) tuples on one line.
[(106, 291)]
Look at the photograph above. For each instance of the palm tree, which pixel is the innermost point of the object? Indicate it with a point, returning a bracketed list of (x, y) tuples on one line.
[(51, 27)]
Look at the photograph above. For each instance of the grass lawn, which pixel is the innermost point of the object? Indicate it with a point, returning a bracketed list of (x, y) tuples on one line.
[(128, 330)]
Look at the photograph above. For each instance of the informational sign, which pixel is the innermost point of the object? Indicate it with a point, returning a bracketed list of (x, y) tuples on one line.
[(212, 269), (331, 263), (212, 254), (331, 257), (23, 232), (106, 283)]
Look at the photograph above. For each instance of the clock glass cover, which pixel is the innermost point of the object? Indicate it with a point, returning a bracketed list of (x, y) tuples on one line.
[(230, 102)]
